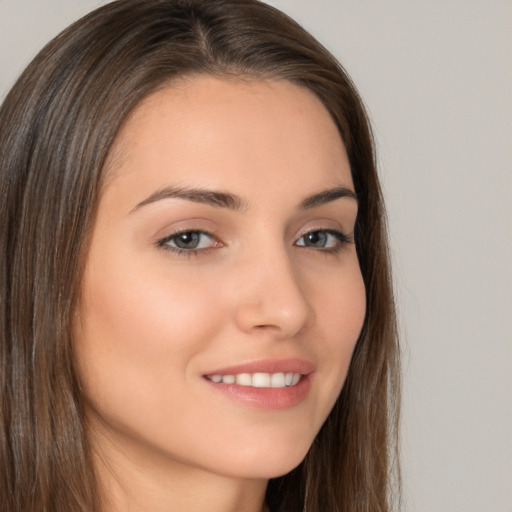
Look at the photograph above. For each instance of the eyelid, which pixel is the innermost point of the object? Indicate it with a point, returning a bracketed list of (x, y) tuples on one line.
[(163, 243), (327, 227), (341, 237)]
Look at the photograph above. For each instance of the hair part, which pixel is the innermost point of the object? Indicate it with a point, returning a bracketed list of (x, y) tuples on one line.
[(57, 126)]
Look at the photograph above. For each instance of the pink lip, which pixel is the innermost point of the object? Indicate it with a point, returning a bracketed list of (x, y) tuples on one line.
[(268, 366), (266, 398)]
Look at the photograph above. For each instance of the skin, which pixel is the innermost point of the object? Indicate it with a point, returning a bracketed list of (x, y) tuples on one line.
[(153, 321)]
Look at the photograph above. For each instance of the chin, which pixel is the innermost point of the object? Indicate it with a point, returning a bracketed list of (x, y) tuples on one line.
[(266, 463)]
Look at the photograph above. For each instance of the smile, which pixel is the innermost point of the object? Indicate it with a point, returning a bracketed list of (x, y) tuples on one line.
[(269, 384), (259, 380)]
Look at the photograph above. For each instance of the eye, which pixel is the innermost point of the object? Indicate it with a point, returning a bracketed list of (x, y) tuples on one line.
[(325, 239), (188, 241)]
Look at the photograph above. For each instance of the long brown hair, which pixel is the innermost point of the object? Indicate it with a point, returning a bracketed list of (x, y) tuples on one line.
[(57, 125)]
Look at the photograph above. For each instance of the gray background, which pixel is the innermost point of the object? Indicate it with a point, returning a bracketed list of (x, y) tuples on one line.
[(437, 80)]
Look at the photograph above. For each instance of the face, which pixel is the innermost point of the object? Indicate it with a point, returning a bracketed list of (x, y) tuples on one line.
[(222, 296)]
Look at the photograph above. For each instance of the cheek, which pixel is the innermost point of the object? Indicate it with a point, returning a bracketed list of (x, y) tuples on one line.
[(139, 331), (136, 345), (143, 307), (341, 313), (340, 304)]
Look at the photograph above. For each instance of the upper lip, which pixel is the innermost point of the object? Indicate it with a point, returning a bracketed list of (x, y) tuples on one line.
[(291, 365)]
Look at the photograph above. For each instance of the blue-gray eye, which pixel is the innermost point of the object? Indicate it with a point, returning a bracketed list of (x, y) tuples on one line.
[(191, 240), (321, 239)]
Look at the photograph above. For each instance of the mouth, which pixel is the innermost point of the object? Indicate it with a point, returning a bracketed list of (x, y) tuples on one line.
[(266, 384)]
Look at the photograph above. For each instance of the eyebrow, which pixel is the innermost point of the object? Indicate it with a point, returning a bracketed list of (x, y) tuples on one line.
[(327, 196), (219, 199), (196, 195)]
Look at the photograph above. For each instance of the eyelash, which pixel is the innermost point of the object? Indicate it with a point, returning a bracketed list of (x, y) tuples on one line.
[(164, 243), (341, 238)]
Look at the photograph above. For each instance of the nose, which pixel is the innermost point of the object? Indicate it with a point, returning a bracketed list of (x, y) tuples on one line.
[(272, 297)]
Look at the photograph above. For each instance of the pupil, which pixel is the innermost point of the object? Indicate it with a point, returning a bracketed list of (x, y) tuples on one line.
[(317, 239), (188, 240)]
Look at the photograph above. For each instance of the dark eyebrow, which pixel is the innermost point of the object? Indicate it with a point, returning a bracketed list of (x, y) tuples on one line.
[(197, 195), (219, 199), (327, 196)]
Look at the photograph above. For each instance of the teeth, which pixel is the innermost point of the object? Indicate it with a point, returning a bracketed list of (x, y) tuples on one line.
[(277, 380), (244, 379), (258, 380), (261, 380)]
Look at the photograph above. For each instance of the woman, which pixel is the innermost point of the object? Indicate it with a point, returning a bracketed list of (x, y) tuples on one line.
[(197, 311)]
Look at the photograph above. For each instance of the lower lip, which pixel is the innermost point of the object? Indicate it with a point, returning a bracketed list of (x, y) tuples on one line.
[(265, 398)]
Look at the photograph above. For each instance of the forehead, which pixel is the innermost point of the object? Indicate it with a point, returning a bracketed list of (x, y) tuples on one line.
[(212, 129)]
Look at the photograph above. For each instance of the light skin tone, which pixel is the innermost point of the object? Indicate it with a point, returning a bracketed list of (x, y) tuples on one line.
[(224, 237)]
